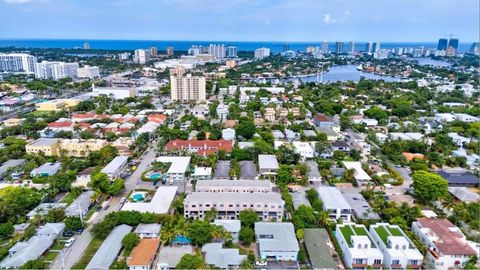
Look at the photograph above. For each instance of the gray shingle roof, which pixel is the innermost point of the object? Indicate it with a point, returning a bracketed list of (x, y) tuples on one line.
[(223, 169), (80, 205), (248, 169)]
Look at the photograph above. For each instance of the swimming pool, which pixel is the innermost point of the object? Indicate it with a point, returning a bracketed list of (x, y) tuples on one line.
[(138, 197), (155, 176)]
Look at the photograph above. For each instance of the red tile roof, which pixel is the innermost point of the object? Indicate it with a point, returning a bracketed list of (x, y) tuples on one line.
[(323, 118), (450, 242), (59, 124), (157, 118), (144, 253)]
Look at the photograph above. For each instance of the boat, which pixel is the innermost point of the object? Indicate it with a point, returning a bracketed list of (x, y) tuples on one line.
[(360, 67)]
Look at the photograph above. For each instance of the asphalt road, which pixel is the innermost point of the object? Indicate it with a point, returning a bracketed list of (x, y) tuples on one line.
[(72, 254)]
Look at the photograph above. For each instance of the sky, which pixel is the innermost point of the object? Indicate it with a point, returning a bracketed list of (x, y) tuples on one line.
[(242, 20)]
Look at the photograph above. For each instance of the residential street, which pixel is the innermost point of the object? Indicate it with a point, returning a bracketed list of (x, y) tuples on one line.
[(75, 252)]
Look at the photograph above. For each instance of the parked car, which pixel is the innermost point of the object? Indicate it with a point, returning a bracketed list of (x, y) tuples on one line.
[(69, 242), (261, 263)]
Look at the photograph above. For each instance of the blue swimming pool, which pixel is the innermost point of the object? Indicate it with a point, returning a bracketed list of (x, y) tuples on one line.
[(138, 197), (155, 176)]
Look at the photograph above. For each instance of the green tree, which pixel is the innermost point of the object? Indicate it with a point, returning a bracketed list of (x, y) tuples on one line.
[(6, 229), (429, 186), (73, 223), (304, 217), (246, 129), (55, 215), (248, 218), (189, 261), (376, 113), (116, 187), (34, 264), (200, 232), (129, 241), (246, 235)]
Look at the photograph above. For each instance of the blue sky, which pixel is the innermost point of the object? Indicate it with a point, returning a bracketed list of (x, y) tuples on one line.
[(241, 20)]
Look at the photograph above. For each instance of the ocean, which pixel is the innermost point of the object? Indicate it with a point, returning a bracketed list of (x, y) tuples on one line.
[(185, 45)]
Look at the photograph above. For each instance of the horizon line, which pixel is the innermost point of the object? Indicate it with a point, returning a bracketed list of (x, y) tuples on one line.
[(189, 40)]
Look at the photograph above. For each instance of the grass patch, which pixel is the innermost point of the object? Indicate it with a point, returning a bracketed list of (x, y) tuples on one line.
[(395, 231), (50, 256), (347, 233), (383, 233), (359, 230), (88, 254)]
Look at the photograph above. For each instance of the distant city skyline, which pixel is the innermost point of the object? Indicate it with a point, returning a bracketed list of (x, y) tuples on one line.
[(242, 20)]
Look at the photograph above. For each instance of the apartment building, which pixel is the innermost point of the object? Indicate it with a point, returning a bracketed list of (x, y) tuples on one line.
[(334, 203), (268, 166), (447, 245), (185, 87), (238, 186), (357, 245), (47, 147), (56, 70), (201, 147), (17, 63), (398, 250), (268, 206), (80, 148), (269, 115), (56, 105), (178, 168), (88, 72)]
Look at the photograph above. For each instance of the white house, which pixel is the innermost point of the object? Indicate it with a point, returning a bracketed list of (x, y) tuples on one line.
[(228, 134), (178, 168), (276, 241), (335, 203), (115, 167), (466, 117), (447, 246), (398, 250), (361, 176), (222, 111), (231, 226), (357, 247), (444, 117), (304, 149)]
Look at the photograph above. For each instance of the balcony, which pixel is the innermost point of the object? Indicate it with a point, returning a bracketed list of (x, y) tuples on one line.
[(377, 265), (359, 265), (414, 266), (396, 266)]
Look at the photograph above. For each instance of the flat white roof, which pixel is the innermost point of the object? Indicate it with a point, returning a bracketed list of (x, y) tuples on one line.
[(332, 198), (360, 174), (159, 204), (202, 171), (116, 163), (179, 164), (267, 162)]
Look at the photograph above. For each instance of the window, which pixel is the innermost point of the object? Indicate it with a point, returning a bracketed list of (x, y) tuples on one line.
[(395, 261), (377, 261)]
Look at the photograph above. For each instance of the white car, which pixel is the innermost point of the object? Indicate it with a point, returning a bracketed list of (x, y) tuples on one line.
[(261, 263), (69, 242), (123, 200)]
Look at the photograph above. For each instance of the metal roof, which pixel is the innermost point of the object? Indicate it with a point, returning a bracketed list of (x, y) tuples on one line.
[(267, 162), (80, 205), (109, 249), (274, 236), (332, 198), (116, 163)]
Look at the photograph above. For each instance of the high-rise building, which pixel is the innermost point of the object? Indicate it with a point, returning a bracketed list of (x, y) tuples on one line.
[(185, 87), (217, 50), (286, 47), (417, 52), (170, 51), (231, 51), (142, 56), (352, 47), (376, 47), (17, 62), (195, 50), (339, 47), (261, 53), (398, 51), (56, 70), (153, 51), (452, 47), (369, 47), (324, 47), (442, 44), (86, 45), (311, 49), (475, 48)]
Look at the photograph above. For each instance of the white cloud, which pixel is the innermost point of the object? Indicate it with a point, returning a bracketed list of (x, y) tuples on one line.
[(14, 2), (327, 19)]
